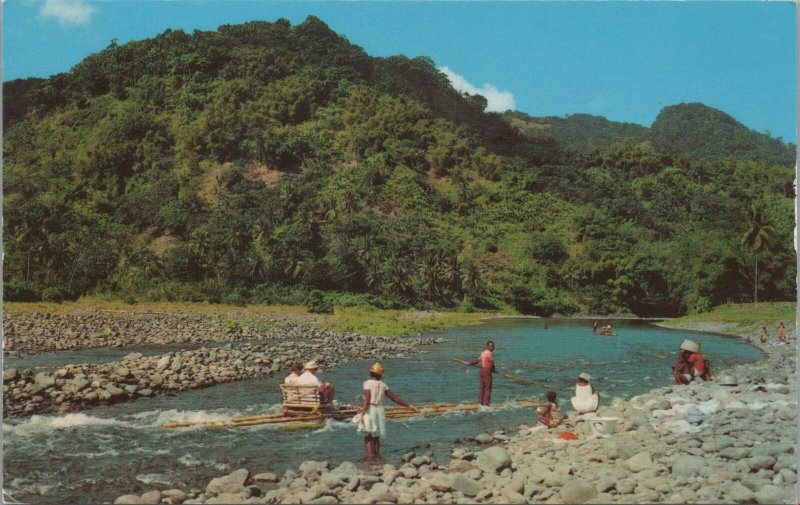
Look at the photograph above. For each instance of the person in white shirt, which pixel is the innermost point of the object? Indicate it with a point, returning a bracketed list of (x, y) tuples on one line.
[(372, 420), (586, 398), (309, 378), (297, 369)]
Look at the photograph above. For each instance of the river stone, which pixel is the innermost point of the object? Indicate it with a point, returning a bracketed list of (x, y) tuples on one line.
[(10, 374), (625, 486), (174, 496), (420, 460), (346, 470), (493, 459), (734, 453), (686, 465), (132, 356), (225, 499), (440, 482), (640, 461), (44, 380), (265, 477), (128, 499), (75, 385), (163, 362), (331, 480), (231, 483), (122, 371), (152, 497), (771, 449), (324, 500), (380, 492), (466, 486), (512, 496), (759, 462), (577, 490), (145, 392), (739, 493), (771, 494), (483, 438), (114, 390)]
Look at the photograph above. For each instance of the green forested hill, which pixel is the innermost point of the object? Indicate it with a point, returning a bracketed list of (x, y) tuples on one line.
[(269, 163)]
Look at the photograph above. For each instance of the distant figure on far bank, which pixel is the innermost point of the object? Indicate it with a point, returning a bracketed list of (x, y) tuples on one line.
[(781, 332), (309, 378), (486, 361), (586, 398), (764, 335), (595, 326), (372, 418), (690, 365), (550, 414)]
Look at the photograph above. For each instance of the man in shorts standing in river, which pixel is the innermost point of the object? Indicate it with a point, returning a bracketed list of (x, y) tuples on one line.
[(486, 362)]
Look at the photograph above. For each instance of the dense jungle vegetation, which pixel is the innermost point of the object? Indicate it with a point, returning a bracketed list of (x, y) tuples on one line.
[(266, 163)]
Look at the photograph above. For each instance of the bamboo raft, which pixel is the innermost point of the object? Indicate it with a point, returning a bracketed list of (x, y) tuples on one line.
[(302, 409), (606, 333)]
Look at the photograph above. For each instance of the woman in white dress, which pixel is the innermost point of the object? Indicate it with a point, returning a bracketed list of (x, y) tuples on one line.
[(586, 398), (372, 420)]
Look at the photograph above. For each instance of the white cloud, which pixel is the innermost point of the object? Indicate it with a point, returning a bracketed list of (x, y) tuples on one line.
[(498, 101), (67, 12), (597, 105)]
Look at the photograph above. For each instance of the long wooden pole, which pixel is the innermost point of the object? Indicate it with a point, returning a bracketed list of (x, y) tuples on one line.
[(516, 378)]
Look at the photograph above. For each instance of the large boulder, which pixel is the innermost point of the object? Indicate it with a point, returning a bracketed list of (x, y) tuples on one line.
[(740, 494), (10, 374), (231, 483), (577, 490), (640, 461), (466, 486), (686, 465), (773, 494), (493, 459)]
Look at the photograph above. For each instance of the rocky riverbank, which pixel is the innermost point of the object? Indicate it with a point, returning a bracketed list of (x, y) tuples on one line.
[(81, 386), (35, 332), (702, 443)]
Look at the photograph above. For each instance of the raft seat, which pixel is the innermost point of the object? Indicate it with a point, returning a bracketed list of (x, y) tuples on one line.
[(302, 399)]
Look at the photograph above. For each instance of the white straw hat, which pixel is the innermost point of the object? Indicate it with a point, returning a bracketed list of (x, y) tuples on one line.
[(585, 376), (690, 345), (312, 365)]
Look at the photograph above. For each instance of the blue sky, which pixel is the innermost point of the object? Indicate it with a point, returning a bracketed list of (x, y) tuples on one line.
[(624, 61)]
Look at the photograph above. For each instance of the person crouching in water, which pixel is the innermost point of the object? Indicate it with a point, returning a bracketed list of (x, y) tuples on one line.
[(586, 398), (690, 364), (372, 420), (550, 413)]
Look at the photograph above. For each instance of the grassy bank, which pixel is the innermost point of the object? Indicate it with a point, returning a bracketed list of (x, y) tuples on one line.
[(351, 319), (744, 317), (399, 322)]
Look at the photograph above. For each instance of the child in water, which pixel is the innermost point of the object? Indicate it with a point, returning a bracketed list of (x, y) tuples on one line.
[(550, 413)]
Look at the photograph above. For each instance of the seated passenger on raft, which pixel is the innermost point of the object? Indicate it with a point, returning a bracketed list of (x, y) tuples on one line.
[(586, 398), (309, 378)]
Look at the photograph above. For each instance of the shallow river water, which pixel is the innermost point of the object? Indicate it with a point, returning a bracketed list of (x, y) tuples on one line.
[(97, 455)]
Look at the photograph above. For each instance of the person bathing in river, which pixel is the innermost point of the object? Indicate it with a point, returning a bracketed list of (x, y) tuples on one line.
[(781, 332), (595, 326), (586, 398), (372, 419), (764, 335), (690, 364), (297, 369), (549, 414), (309, 378), (486, 361)]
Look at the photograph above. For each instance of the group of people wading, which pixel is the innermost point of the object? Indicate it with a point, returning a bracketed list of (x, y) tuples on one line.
[(690, 366)]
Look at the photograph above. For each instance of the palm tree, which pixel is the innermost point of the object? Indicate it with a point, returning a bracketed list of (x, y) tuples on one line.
[(758, 237)]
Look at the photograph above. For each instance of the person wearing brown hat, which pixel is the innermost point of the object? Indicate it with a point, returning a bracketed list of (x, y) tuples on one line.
[(309, 378), (372, 418)]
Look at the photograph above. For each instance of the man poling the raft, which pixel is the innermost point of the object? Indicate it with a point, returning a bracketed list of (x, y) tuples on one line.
[(486, 361)]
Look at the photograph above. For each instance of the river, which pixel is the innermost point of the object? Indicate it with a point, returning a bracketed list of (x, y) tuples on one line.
[(99, 454)]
